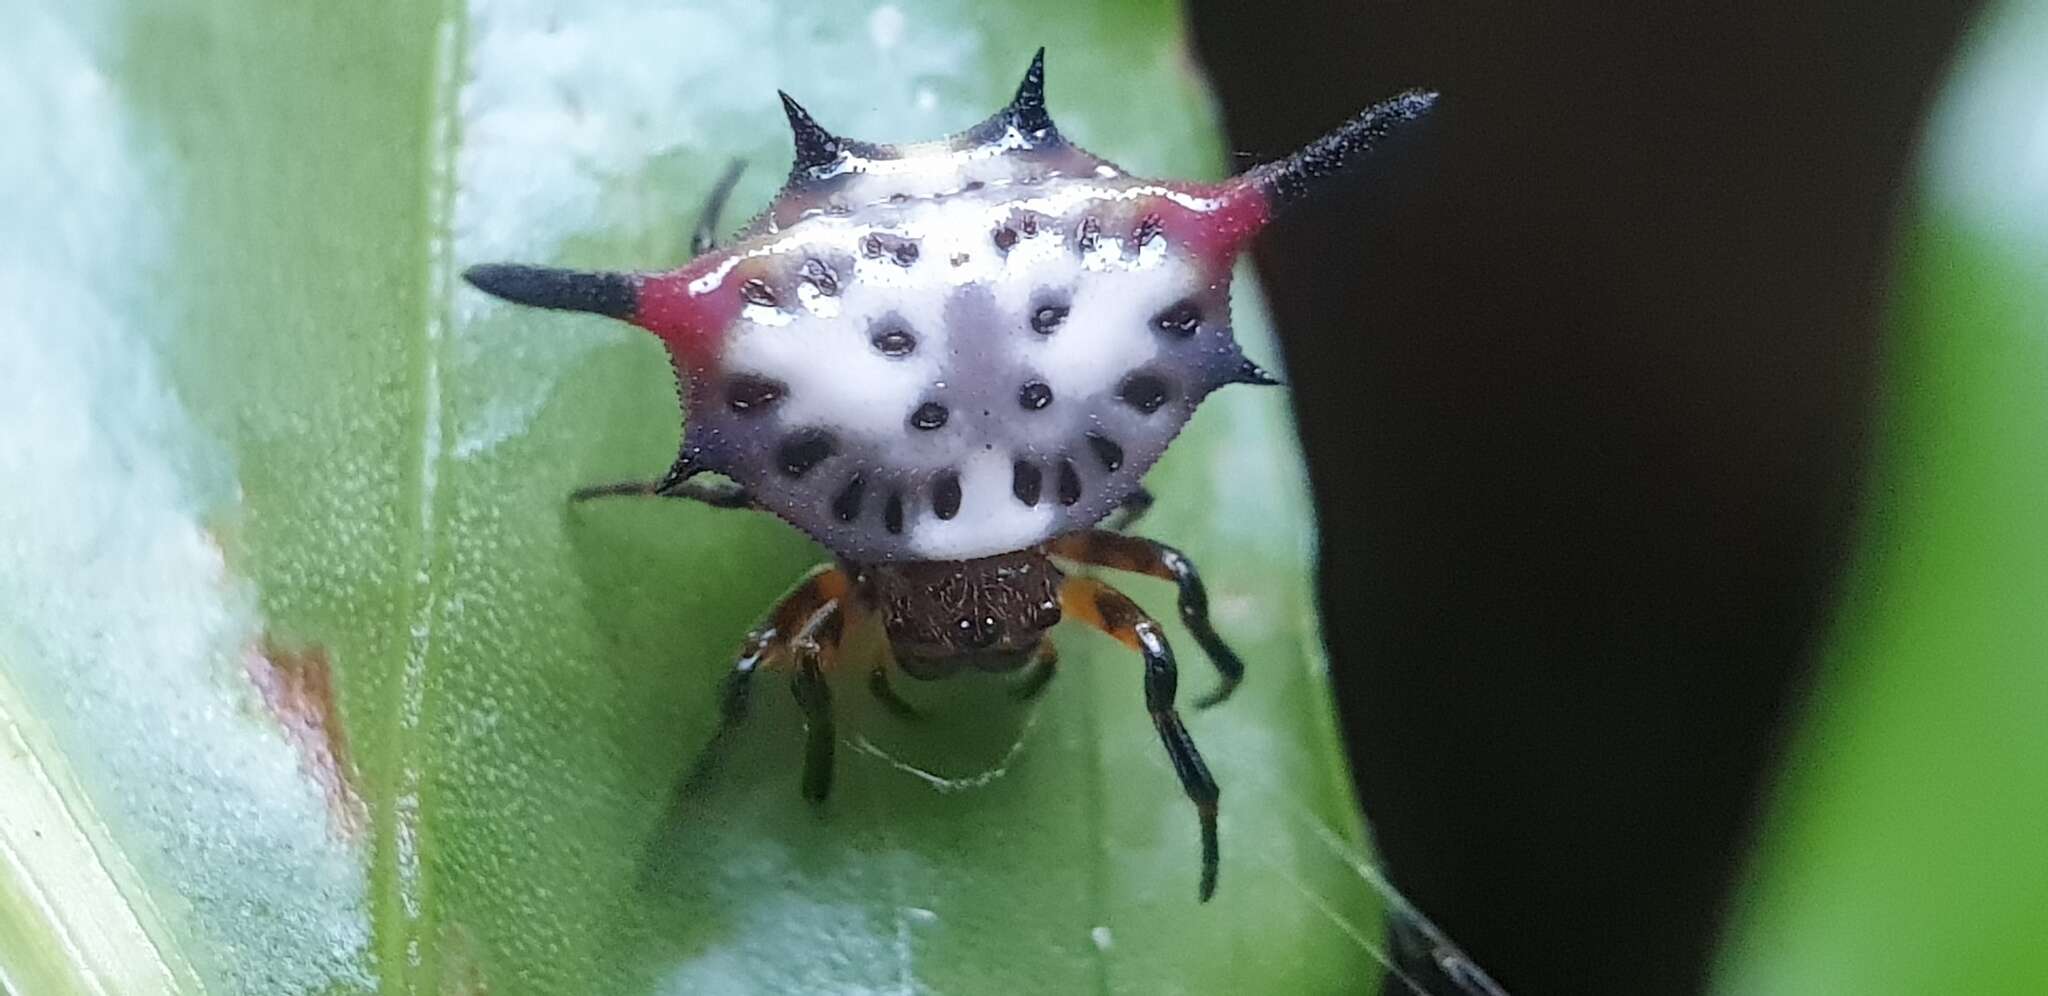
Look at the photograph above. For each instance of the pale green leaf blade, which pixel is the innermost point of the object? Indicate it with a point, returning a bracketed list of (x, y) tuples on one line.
[(1904, 851), (267, 428)]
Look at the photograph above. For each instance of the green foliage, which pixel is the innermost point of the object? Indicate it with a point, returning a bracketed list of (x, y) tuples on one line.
[(1905, 851), (254, 427)]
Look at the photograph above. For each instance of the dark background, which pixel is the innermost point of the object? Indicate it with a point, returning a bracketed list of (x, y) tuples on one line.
[(1584, 370)]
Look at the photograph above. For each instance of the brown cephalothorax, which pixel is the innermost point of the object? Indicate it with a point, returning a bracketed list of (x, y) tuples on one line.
[(941, 616), (948, 363)]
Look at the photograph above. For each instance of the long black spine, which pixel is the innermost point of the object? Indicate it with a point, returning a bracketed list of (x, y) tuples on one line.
[(616, 295), (1289, 181)]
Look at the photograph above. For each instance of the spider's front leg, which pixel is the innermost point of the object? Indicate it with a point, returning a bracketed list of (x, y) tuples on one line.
[(802, 629), (1102, 548), (814, 696), (1097, 604)]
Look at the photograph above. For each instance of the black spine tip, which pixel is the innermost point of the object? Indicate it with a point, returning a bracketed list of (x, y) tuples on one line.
[(1027, 109), (1290, 180), (815, 147), (616, 295), (684, 468), (1251, 373)]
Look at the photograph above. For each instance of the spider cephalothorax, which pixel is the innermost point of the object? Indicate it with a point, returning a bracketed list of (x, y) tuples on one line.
[(948, 362)]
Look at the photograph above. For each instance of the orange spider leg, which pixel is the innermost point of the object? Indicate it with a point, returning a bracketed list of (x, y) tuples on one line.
[(822, 630), (1117, 551), (803, 628)]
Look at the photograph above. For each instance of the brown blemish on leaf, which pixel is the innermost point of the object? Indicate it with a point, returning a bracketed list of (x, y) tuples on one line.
[(461, 973), (298, 686)]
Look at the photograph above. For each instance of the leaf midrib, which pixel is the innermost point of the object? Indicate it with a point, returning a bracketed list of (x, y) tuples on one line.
[(402, 901)]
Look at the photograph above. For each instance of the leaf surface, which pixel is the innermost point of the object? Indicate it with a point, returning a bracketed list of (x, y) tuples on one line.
[(287, 528), (1903, 853)]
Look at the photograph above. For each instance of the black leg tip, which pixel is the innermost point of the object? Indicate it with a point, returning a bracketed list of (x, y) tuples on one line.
[(904, 711), (885, 693), (1027, 691), (1222, 694), (1033, 685), (1211, 853)]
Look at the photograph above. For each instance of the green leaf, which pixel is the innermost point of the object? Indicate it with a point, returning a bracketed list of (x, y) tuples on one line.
[(255, 433), (1904, 854)]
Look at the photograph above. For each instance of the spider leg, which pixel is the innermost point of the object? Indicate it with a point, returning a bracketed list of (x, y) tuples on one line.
[(1045, 662), (1102, 548), (676, 483), (819, 590), (1131, 509), (1108, 610), (815, 697), (706, 233), (718, 494), (880, 688)]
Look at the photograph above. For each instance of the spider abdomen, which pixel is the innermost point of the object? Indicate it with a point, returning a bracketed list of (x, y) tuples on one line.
[(954, 349), (901, 381)]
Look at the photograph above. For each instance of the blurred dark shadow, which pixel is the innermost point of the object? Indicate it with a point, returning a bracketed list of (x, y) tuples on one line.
[(1584, 373)]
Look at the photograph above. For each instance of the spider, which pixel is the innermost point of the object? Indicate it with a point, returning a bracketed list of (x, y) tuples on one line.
[(949, 363)]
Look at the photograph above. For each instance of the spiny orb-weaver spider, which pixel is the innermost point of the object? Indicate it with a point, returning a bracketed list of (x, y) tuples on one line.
[(948, 362)]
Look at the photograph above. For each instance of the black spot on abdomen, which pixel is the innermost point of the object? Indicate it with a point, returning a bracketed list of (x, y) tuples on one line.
[(1148, 229), (746, 394), (1183, 319), (846, 505), (894, 341), (1069, 484), (819, 274), (1026, 481), (898, 249), (1145, 392), (1107, 451), (804, 449), (946, 495), (1087, 234)]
